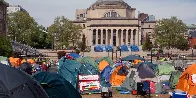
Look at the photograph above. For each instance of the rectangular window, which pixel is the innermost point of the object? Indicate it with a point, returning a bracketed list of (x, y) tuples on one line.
[(77, 17), (81, 15)]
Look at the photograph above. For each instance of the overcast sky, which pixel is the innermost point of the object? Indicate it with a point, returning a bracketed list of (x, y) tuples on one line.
[(44, 11)]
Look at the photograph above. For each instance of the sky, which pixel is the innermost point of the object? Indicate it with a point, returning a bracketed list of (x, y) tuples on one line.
[(45, 11)]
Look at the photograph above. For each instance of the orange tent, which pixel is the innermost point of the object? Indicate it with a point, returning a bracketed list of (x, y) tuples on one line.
[(23, 61), (15, 61), (30, 61), (116, 79), (136, 61), (185, 81), (102, 65)]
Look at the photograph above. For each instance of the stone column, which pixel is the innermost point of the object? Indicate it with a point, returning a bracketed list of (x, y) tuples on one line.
[(101, 37), (132, 37), (121, 35), (90, 37), (117, 38), (111, 40), (126, 40), (106, 35), (96, 38), (136, 37), (139, 36)]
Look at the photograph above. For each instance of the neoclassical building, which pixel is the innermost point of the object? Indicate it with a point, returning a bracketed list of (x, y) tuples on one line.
[(113, 22)]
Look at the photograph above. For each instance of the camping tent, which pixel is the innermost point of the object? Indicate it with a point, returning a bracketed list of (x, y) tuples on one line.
[(102, 65), (108, 48), (132, 57), (88, 60), (88, 69), (15, 62), (118, 75), (26, 67), (145, 71), (69, 70), (130, 81), (4, 60), (98, 48), (187, 80), (108, 59), (134, 48), (173, 80), (124, 48), (16, 84), (106, 73), (56, 86), (74, 55), (165, 69)]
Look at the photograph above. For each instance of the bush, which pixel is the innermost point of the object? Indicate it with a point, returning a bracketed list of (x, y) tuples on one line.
[(5, 47), (194, 47), (60, 54)]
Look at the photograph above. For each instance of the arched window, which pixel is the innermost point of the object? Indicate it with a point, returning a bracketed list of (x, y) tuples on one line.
[(111, 14)]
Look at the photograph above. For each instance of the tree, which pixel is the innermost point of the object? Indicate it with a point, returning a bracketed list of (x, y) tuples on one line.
[(168, 32), (147, 44), (82, 45), (63, 31), (21, 26), (5, 47)]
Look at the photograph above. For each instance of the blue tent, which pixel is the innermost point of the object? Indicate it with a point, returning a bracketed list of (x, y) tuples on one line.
[(124, 48), (106, 73), (134, 48), (74, 55), (56, 86), (108, 48), (132, 57), (98, 48), (69, 70)]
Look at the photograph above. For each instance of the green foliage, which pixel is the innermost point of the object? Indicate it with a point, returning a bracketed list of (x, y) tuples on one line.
[(168, 32), (63, 31), (182, 44), (5, 47), (147, 45), (23, 28), (194, 47)]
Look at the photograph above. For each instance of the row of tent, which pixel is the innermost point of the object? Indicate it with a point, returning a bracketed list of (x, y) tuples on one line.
[(109, 48), (15, 83)]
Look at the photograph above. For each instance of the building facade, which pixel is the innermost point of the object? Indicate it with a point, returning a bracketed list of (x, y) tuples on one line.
[(3, 15), (15, 8), (113, 22), (191, 34)]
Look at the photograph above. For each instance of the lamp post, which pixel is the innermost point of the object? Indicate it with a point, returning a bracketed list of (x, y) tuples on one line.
[(116, 54), (108, 52), (192, 53), (112, 54), (120, 51), (151, 55)]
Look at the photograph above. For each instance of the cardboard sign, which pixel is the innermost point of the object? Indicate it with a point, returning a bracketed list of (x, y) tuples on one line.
[(89, 85), (88, 77)]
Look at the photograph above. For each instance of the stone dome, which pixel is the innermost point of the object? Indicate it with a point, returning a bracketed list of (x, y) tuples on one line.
[(109, 3)]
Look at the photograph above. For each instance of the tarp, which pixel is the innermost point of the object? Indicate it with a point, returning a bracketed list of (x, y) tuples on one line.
[(132, 57), (187, 81), (56, 86), (124, 48), (179, 63), (134, 48), (108, 59), (98, 48), (102, 65), (165, 69), (74, 55), (106, 73), (145, 71), (129, 83), (16, 84), (15, 62), (69, 70), (88, 60), (108, 48)]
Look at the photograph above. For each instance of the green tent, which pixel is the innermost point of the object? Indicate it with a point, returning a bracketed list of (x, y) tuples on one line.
[(69, 70), (88, 60), (174, 79), (108, 59), (56, 86), (2, 58), (165, 69)]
